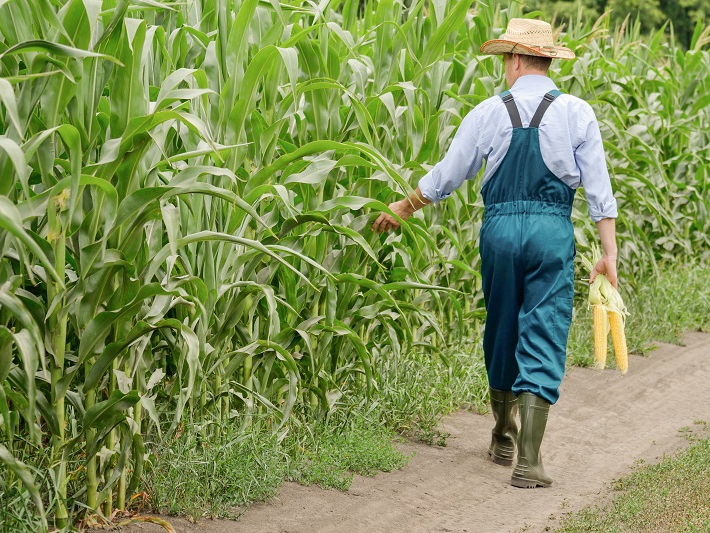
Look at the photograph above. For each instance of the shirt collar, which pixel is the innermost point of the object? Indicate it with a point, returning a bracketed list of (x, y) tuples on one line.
[(533, 83)]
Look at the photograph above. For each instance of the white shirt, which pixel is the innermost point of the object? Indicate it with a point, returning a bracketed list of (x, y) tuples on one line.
[(570, 143)]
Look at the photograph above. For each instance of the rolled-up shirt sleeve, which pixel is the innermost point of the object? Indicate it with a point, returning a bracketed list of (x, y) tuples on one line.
[(594, 175), (462, 161)]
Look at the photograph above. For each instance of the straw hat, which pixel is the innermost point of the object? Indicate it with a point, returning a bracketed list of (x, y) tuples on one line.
[(529, 37)]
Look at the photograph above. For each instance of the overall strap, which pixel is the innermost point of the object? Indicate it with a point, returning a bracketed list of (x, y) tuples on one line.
[(512, 109), (546, 101)]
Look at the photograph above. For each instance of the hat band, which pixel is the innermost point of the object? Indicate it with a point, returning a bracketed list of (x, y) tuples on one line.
[(551, 50)]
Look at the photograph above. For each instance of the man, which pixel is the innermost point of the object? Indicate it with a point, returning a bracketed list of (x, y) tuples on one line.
[(539, 146)]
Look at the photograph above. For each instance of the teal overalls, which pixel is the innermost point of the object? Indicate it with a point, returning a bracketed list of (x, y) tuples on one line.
[(527, 265)]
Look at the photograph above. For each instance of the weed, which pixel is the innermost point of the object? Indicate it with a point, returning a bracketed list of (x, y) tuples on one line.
[(330, 457), (669, 496), (210, 477)]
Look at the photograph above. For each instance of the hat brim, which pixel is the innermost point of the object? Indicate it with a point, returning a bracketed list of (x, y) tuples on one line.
[(501, 46)]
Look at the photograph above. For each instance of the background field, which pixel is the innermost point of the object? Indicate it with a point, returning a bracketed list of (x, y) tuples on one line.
[(185, 199)]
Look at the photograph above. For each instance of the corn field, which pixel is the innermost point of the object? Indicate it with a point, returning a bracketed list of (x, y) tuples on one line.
[(186, 190)]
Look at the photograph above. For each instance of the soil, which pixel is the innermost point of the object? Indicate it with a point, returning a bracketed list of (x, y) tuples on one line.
[(603, 424)]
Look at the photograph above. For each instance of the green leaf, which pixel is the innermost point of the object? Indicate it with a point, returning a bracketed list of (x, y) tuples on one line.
[(114, 408), (7, 97), (11, 222), (451, 23), (17, 157), (113, 350), (38, 45), (217, 236), (100, 326)]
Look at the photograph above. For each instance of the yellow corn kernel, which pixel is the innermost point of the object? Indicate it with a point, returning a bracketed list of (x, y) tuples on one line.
[(618, 338), (600, 335)]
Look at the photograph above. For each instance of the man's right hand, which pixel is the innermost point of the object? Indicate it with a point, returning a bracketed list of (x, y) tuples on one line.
[(607, 266)]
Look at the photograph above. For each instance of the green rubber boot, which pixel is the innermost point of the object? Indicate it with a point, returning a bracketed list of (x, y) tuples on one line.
[(504, 406), (529, 472)]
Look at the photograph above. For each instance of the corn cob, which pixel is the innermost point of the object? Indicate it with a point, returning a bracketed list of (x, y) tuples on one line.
[(618, 338), (608, 312), (600, 328)]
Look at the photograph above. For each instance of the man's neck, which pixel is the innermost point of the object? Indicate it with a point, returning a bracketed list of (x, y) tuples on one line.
[(531, 72)]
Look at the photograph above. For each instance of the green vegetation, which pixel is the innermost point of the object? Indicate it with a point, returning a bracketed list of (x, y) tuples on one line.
[(184, 207), (666, 497), (200, 477), (196, 475), (332, 460), (680, 16)]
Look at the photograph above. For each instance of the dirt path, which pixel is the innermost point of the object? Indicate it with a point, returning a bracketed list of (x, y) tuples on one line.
[(602, 424)]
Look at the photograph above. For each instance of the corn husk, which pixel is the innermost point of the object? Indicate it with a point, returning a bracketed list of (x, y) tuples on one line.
[(602, 293)]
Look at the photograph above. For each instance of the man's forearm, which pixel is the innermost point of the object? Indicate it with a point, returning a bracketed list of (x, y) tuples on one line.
[(415, 201), (607, 236)]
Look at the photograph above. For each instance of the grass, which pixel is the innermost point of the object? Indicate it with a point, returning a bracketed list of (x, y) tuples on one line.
[(16, 512), (359, 436), (660, 308), (424, 388), (667, 497), (215, 479), (197, 476), (330, 458)]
